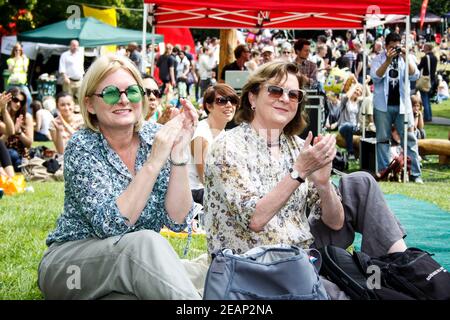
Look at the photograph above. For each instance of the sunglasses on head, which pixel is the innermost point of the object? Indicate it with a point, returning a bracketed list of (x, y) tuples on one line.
[(221, 101), (294, 95), (16, 100), (155, 92), (111, 94)]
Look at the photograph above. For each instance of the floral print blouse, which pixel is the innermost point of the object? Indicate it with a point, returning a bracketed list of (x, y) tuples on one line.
[(240, 170), (95, 177)]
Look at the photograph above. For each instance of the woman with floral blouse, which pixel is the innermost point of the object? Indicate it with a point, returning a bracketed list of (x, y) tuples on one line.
[(124, 180), (264, 185)]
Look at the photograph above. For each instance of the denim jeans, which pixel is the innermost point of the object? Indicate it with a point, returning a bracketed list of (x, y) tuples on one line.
[(427, 115), (346, 130), (383, 123), (16, 159)]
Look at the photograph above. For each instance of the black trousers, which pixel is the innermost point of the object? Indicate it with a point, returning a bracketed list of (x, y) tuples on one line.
[(5, 159)]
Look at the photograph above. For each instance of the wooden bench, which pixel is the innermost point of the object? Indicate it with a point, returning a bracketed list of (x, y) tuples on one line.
[(439, 147)]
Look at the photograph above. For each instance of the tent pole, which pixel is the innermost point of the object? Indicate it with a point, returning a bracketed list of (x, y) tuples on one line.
[(144, 40), (405, 116), (364, 79), (153, 53)]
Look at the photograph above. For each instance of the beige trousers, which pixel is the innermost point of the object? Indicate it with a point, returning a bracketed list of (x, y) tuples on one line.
[(72, 88), (142, 265)]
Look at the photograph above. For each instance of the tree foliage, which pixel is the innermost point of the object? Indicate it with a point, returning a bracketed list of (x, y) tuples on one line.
[(438, 7), (44, 12)]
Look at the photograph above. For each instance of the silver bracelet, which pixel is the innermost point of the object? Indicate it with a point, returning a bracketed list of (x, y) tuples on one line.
[(178, 164)]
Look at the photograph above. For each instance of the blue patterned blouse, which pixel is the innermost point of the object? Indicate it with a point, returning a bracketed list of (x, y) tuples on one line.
[(95, 177)]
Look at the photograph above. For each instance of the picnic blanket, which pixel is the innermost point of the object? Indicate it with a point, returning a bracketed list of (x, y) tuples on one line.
[(427, 226)]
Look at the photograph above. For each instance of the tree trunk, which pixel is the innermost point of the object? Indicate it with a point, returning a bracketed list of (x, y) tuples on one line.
[(228, 42)]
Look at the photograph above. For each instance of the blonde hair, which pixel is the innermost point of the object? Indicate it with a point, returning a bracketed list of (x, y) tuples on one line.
[(417, 98), (101, 68), (19, 46)]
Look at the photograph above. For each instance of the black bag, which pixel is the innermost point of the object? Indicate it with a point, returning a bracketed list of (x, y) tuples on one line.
[(415, 273), (409, 275), (340, 161), (340, 267), (349, 272)]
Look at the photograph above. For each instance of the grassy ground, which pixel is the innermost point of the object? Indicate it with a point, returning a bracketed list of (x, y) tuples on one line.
[(26, 219), (442, 109)]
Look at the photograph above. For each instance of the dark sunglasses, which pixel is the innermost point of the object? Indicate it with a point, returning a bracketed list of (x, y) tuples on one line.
[(17, 100), (221, 101), (111, 94), (294, 95), (155, 92), (286, 52)]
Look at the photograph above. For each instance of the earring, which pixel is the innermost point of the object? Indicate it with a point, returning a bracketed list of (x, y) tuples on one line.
[(252, 107)]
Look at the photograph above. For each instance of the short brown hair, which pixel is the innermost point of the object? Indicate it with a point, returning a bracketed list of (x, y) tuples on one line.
[(240, 49), (278, 70), (223, 89)]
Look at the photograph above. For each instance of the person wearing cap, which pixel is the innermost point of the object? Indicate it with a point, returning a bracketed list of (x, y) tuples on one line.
[(268, 54)]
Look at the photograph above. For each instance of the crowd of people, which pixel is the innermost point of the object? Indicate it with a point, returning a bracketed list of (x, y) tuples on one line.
[(136, 160)]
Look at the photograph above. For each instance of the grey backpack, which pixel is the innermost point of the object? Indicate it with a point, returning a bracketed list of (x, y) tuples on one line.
[(277, 272)]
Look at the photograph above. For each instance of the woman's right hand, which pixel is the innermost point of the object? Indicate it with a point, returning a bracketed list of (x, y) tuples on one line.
[(315, 157), (58, 125), (5, 98)]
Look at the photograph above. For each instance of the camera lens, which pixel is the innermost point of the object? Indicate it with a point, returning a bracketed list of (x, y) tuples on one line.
[(393, 73)]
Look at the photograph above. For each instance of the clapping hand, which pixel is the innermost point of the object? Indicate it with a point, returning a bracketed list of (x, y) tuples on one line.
[(321, 176), (314, 161), (58, 125), (5, 98), (19, 124), (175, 136), (169, 113), (189, 118)]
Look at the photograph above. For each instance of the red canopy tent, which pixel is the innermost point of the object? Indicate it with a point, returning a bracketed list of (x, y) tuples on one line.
[(306, 14), (279, 14)]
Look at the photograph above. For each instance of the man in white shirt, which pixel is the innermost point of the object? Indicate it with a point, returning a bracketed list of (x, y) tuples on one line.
[(206, 64), (71, 68)]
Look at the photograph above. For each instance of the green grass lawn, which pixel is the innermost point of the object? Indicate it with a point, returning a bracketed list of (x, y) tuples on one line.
[(442, 109), (26, 219)]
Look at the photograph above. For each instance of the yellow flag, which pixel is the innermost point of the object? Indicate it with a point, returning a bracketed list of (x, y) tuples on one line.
[(107, 16)]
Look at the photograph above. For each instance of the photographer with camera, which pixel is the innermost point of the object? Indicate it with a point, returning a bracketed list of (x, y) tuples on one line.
[(392, 102)]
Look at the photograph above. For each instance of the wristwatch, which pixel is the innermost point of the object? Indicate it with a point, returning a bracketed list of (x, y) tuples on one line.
[(296, 176)]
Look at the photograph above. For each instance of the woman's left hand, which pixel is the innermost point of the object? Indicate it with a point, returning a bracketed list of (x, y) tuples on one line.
[(19, 124), (321, 177), (189, 117)]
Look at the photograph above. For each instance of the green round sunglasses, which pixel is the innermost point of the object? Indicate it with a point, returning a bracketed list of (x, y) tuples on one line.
[(111, 94)]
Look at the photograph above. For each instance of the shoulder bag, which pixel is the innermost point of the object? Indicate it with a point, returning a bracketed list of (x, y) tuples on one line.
[(424, 82), (277, 272)]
